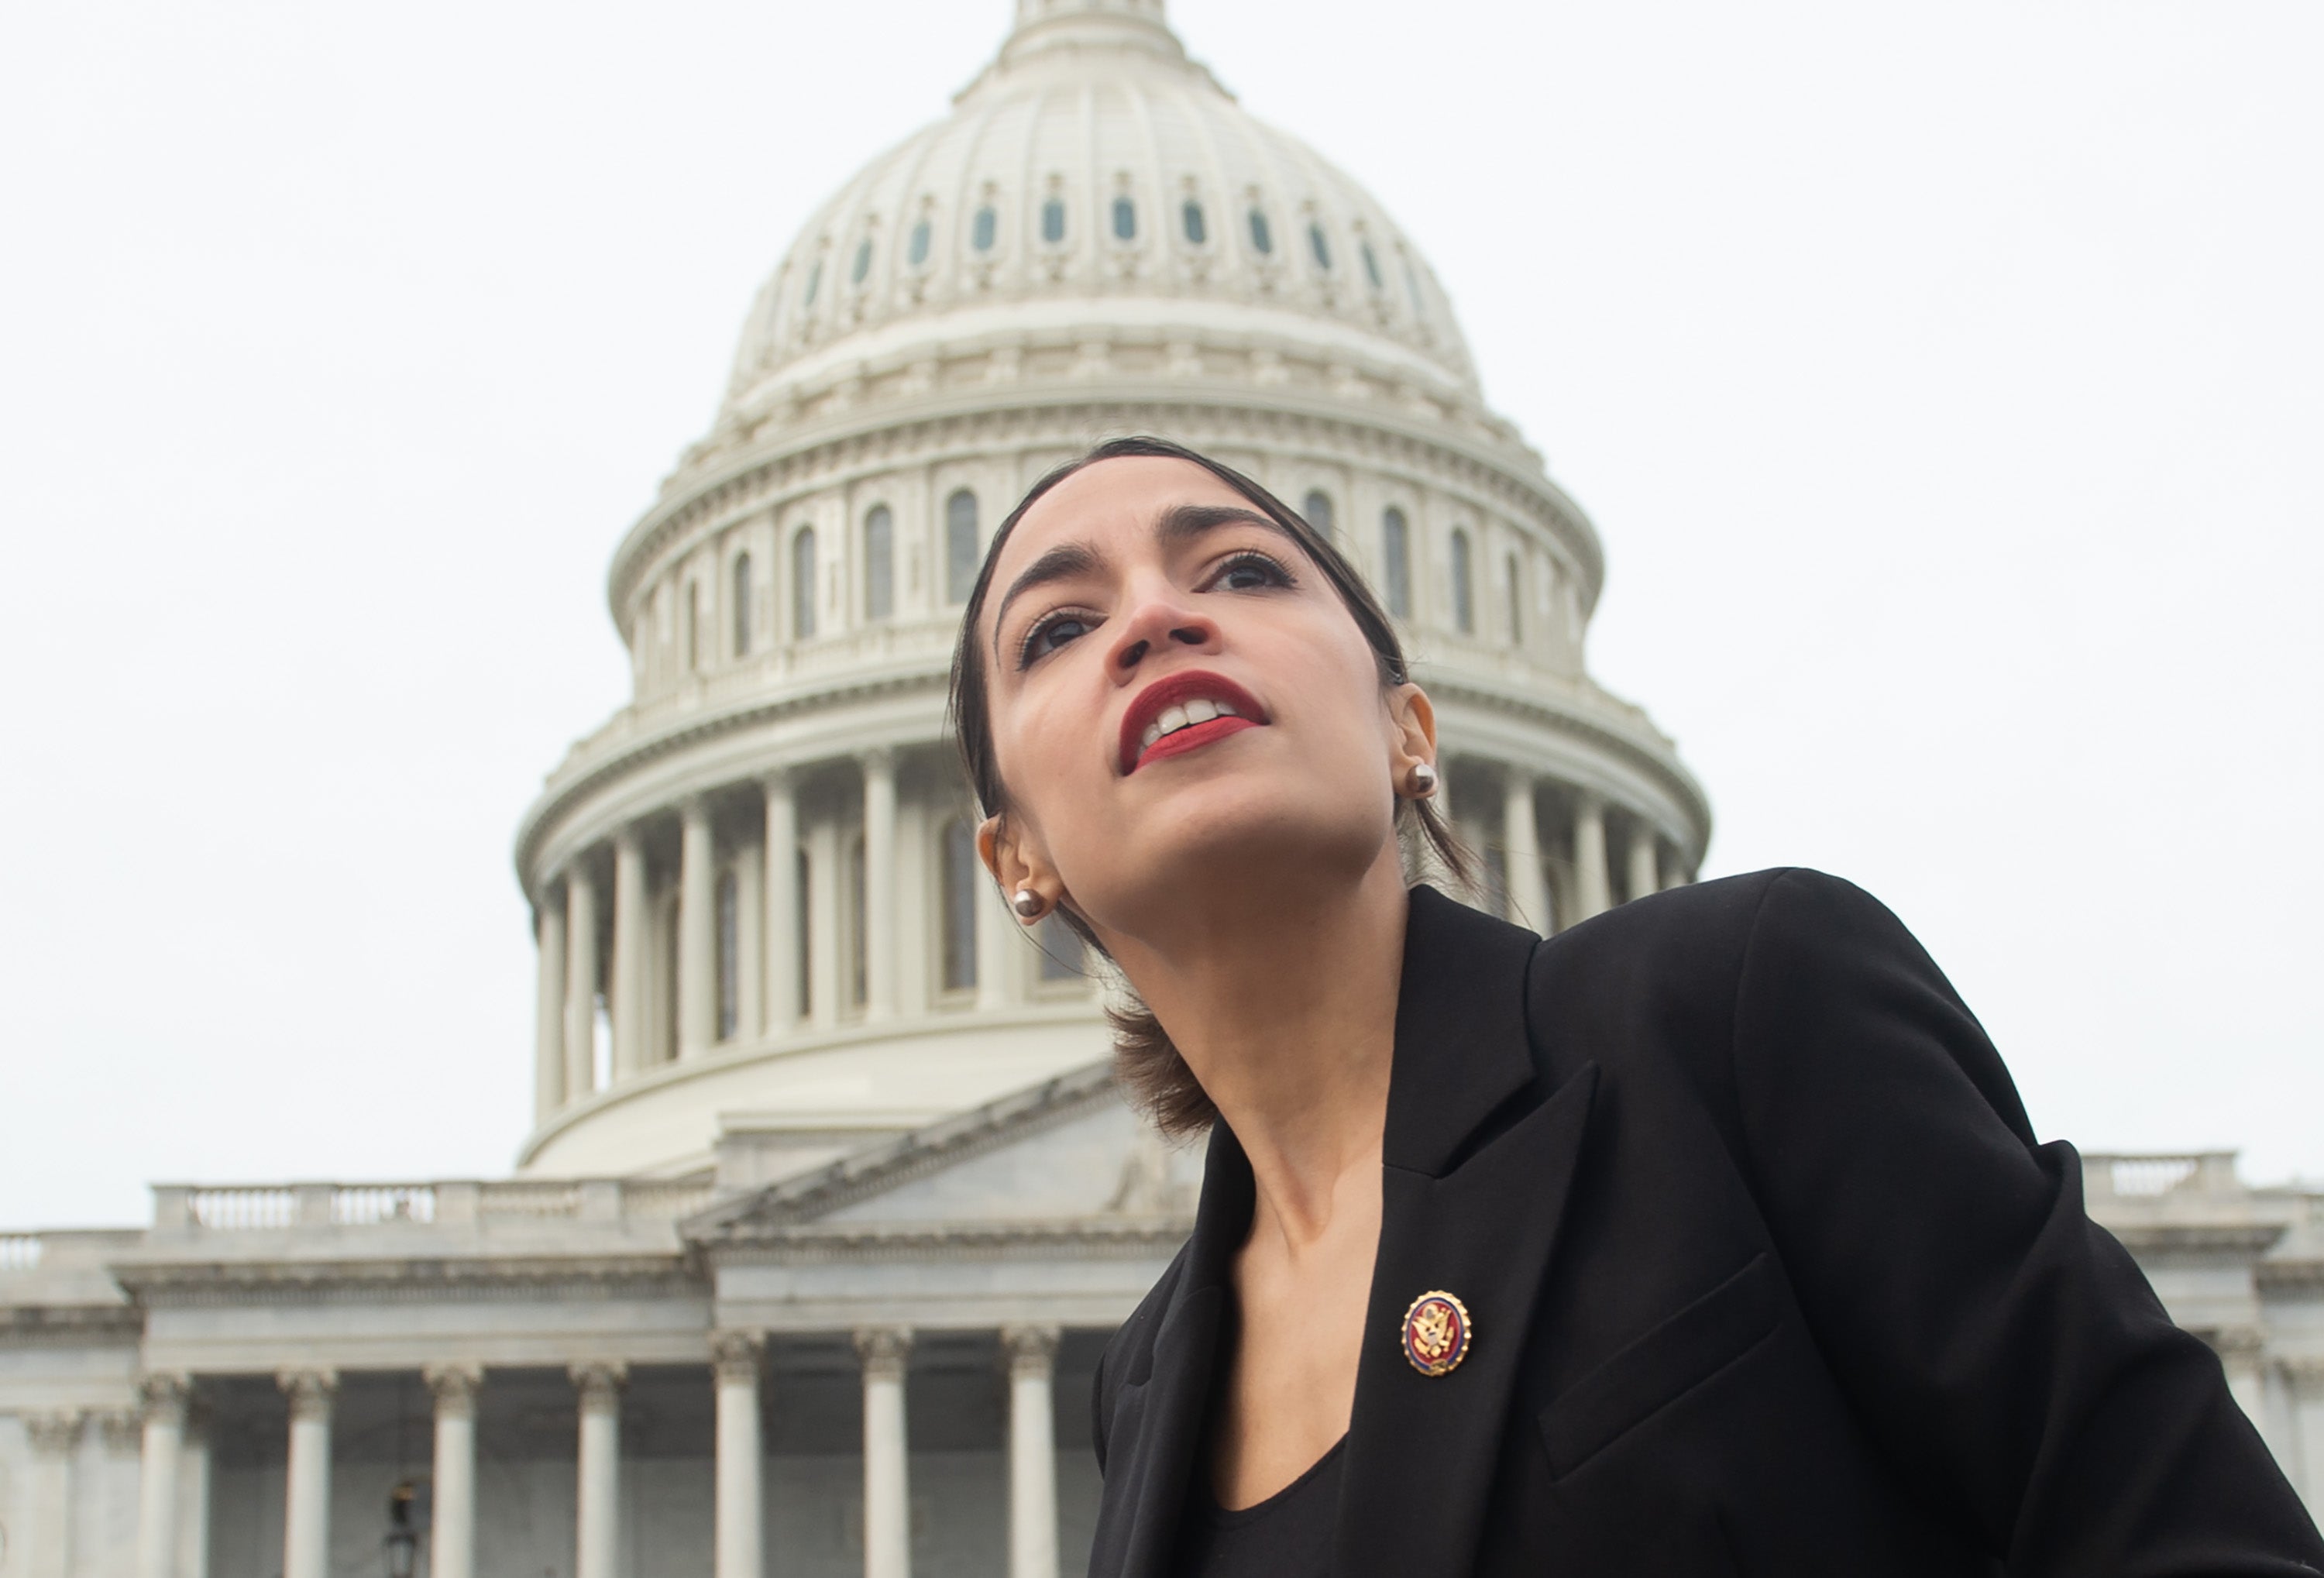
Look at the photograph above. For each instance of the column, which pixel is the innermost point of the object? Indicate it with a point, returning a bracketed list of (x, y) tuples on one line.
[(307, 1495), (1645, 877), (1032, 1452), (886, 1480), (879, 885), (633, 944), (740, 1535), (1521, 848), (1674, 872), (55, 1441), (161, 1399), (549, 1009), (750, 943), (2305, 1379), (1591, 881), (1000, 952), (2239, 1349), (782, 904), (597, 1542), (698, 931), (825, 946), (580, 982), (194, 1499), (452, 1531)]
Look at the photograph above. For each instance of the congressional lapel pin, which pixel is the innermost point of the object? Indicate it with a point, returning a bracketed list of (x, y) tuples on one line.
[(1436, 1333)]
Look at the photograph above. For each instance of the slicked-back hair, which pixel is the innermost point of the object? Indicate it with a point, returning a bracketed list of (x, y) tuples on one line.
[(1146, 1061)]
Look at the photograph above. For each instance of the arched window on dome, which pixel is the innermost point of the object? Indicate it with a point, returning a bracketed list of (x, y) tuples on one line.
[(961, 546), (1516, 589), (1190, 218), (1053, 220), (959, 869), (741, 579), (1371, 265), (1396, 561), (814, 283), (1125, 219), (1321, 247), (803, 584), (1262, 238), (1412, 288), (1317, 508), (693, 648), (730, 956), (862, 264), (984, 229), (879, 563), (1464, 602), (915, 252)]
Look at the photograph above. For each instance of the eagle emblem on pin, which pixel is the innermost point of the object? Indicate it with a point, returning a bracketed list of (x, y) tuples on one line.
[(1437, 1332)]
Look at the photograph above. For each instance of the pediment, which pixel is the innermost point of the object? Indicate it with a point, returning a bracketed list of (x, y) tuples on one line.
[(1069, 1150)]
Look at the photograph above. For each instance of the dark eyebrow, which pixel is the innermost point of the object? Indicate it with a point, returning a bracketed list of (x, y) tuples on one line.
[(1178, 525)]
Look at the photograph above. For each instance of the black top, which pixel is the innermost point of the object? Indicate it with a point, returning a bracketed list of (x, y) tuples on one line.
[(1286, 1535), (1767, 1272)]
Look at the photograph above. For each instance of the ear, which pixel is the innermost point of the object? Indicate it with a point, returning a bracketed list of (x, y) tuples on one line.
[(1412, 730), (1016, 863)]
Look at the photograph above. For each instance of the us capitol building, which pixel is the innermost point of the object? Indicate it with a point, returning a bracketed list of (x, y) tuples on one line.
[(828, 1203)]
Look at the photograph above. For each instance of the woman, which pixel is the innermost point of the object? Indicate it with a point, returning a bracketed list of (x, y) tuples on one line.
[(1707, 1236)]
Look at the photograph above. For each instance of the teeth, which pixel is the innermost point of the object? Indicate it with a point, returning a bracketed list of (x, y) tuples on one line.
[(1172, 720), (1199, 711), (1153, 732), (1226, 709)]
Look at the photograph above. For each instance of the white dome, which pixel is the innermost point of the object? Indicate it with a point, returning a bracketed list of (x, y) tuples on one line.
[(1092, 173)]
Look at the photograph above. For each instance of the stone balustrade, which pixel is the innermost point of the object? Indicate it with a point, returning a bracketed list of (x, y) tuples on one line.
[(181, 1208)]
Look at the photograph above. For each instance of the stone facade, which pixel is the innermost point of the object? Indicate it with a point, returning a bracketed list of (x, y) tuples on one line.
[(829, 1204)]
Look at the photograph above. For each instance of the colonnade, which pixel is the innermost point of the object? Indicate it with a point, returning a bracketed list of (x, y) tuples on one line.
[(774, 952), (1584, 858), (739, 1539)]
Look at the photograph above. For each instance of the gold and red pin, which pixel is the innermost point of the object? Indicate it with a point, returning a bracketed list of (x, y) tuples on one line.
[(1437, 1332)]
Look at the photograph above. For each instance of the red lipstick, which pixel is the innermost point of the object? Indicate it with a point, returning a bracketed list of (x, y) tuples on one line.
[(1175, 690)]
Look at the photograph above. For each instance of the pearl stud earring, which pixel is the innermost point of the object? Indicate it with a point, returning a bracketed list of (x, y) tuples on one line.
[(1026, 903), (1422, 781)]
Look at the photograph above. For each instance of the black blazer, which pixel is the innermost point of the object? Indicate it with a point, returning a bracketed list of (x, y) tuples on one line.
[(1768, 1274)]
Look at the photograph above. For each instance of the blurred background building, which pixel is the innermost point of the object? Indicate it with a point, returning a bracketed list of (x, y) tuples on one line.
[(828, 1203)]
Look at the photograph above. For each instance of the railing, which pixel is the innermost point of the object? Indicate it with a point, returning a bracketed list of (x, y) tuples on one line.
[(276, 1207), (2150, 1178), (19, 1252)]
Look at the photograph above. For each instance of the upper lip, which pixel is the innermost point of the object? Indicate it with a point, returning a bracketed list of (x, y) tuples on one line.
[(1170, 690)]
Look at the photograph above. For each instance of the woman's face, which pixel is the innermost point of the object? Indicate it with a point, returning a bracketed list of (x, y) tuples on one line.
[(1183, 709)]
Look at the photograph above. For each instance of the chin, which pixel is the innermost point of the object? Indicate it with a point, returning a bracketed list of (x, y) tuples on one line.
[(1231, 836)]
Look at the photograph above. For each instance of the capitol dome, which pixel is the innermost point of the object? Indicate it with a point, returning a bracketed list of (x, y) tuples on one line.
[(765, 938)]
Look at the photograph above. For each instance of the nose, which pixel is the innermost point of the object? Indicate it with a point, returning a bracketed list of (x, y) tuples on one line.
[(1159, 621)]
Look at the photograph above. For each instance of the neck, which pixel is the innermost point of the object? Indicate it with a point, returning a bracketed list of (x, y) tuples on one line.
[(1282, 1003)]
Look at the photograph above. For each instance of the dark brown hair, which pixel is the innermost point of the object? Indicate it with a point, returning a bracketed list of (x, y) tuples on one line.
[(1147, 1063)]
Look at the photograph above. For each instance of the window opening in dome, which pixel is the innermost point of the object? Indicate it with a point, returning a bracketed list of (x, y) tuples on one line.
[(959, 869), (1053, 220), (1372, 267), (1412, 288), (1262, 239), (1061, 949), (917, 250), (803, 584), (730, 956), (862, 264), (1317, 508), (743, 605), (960, 546), (879, 563), (980, 233), (1464, 607), (1396, 561), (802, 927), (1191, 217), (1320, 246), (1125, 219), (1515, 588), (693, 626), (814, 283), (859, 974)]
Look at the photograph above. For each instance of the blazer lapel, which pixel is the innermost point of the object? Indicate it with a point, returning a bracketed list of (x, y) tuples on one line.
[(1158, 1417), (1475, 1181)]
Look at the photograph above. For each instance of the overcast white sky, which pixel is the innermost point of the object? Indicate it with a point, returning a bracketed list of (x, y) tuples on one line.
[(1944, 382)]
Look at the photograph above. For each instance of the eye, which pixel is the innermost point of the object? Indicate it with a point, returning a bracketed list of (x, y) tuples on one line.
[(1050, 632), (1248, 570)]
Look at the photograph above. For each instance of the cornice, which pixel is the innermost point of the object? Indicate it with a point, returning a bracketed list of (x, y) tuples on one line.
[(821, 446), (409, 1280), (1075, 1239), (2242, 1238), (47, 1325)]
